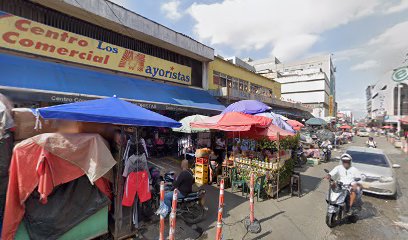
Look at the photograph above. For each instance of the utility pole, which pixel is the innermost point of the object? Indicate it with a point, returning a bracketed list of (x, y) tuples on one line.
[(399, 109)]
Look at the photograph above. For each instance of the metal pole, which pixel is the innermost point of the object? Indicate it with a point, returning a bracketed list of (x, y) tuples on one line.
[(172, 229), (161, 216), (220, 209), (399, 110)]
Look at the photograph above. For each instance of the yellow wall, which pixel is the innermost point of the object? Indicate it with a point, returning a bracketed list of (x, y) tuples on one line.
[(233, 70)]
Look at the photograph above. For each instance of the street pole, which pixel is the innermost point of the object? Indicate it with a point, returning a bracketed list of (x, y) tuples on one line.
[(399, 110)]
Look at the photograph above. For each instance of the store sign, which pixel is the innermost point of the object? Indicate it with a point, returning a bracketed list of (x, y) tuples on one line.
[(24, 35), (331, 105), (400, 74)]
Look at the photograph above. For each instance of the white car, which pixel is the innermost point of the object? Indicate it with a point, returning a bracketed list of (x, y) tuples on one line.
[(378, 176), (363, 133)]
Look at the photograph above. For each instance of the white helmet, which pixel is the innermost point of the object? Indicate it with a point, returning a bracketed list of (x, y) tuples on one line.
[(346, 157)]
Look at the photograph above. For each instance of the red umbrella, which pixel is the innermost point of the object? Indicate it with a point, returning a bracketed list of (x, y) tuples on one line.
[(235, 121), (404, 120), (346, 127), (270, 132), (388, 127), (295, 124)]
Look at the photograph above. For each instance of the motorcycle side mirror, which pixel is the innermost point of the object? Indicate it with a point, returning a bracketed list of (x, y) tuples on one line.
[(357, 179), (396, 165), (327, 171)]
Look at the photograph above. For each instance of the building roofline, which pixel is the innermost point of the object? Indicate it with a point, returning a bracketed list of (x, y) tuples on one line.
[(220, 58), (117, 18)]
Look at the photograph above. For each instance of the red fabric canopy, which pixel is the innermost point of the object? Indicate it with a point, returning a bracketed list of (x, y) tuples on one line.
[(387, 127), (295, 124), (33, 166), (270, 132), (233, 121), (404, 120), (346, 127)]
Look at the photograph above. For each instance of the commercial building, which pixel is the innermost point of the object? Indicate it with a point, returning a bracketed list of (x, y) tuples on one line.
[(384, 99), (65, 51), (369, 95), (231, 79), (310, 81)]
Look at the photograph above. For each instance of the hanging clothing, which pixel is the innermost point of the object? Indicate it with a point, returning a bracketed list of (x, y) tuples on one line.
[(135, 163), (136, 182), (184, 144)]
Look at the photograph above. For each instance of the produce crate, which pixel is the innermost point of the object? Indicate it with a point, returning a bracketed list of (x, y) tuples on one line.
[(201, 160), (201, 180), (201, 168)]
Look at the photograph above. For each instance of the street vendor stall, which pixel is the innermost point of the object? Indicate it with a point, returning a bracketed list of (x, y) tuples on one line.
[(59, 159), (260, 150)]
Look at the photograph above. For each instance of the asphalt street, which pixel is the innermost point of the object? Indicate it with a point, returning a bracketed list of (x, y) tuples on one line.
[(304, 217)]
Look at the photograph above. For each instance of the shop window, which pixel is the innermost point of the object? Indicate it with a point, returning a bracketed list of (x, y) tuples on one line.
[(223, 81), (235, 83), (216, 78)]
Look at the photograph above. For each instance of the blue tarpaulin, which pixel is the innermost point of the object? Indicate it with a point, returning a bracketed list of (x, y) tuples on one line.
[(25, 73), (107, 110)]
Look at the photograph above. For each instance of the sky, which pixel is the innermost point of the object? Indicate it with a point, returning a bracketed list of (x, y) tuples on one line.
[(366, 37)]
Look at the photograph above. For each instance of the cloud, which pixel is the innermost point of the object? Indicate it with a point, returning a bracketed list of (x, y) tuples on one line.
[(354, 104), (290, 28), (388, 48), (171, 10), (403, 5), (365, 65)]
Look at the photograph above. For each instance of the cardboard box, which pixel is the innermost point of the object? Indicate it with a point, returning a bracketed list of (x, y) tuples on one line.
[(24, 121)]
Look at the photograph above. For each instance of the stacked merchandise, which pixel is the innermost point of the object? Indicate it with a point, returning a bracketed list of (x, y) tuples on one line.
[(201, 170), (201, 165)]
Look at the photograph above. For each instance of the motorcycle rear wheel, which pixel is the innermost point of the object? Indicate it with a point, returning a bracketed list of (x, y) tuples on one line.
[(194, 214), (331, 220)]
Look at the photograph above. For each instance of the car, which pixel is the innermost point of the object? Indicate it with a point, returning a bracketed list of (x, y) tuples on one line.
[(378, 175), (363, 133)]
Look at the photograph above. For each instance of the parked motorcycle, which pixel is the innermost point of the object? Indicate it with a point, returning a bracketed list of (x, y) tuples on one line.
[(191, 208), (301, 158), (337, 200)]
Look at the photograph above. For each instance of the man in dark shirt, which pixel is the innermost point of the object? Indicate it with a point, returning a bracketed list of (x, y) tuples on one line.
[(184, 183)]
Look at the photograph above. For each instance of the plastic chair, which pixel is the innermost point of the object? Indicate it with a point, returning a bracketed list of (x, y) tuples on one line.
[(237, 181)]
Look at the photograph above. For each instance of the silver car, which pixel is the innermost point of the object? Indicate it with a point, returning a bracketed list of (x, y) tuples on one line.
[(377, 171)]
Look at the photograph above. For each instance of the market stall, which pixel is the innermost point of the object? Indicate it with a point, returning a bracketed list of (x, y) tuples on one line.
[(59, 161), (259, 146)]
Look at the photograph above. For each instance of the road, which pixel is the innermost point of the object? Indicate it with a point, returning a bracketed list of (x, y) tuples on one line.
[(304, 217)]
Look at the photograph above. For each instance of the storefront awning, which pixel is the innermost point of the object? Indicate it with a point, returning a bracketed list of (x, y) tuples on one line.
[(29, 74)]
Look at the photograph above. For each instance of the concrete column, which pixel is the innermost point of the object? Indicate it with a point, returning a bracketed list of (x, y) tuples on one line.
[(205, 75)]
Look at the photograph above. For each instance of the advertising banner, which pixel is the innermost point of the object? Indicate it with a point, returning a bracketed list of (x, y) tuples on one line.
[(24, 35)]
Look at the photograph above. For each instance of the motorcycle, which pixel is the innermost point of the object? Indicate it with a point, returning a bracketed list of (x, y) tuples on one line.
[(326, 153), (191, 208), (337, 200), (301, 158)]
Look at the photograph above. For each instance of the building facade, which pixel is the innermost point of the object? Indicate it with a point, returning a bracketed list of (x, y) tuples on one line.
[(231, 79), (384, 99), (65, 51), (310, 81)]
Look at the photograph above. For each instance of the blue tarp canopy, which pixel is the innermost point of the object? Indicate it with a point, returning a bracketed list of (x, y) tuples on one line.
[(24, 73), (107, 110)]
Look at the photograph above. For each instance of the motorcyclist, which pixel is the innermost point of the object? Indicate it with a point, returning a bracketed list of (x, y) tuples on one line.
[(347, 174), (325, 143), (371, 143), (184, 183)]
